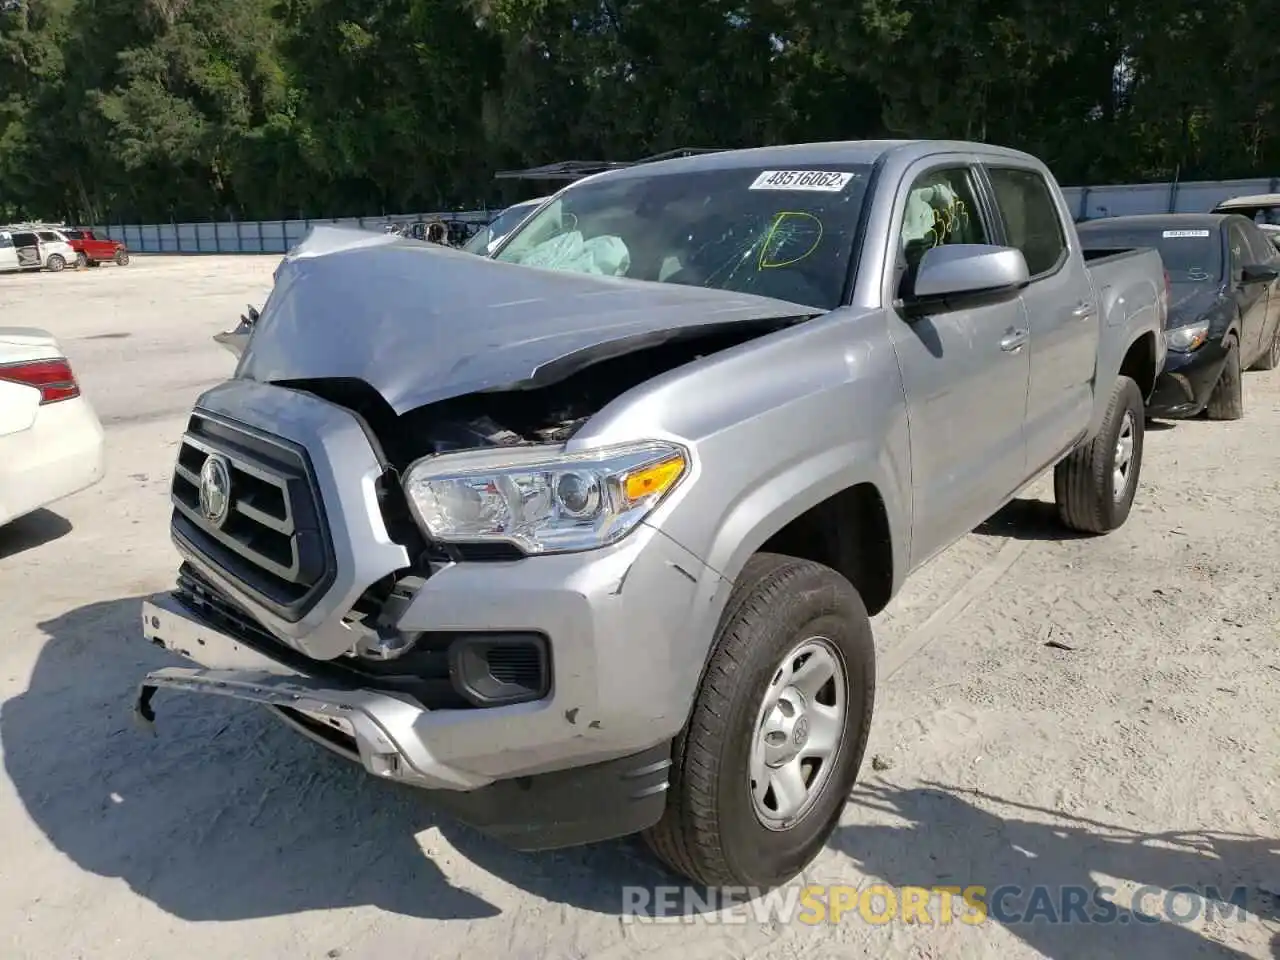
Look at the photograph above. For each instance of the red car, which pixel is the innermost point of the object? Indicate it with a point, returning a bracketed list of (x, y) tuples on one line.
[(91, 251)]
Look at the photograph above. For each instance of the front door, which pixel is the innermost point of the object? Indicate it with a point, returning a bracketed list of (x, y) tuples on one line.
[(1264, 254), (1252, 297), (964, 371)]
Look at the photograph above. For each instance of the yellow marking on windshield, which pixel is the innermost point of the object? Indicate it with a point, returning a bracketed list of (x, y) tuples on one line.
[(763, 263), (946, 220)]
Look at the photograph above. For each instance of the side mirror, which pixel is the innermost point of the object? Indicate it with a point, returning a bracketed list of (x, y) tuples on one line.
[(965, 271), (1259, 273)]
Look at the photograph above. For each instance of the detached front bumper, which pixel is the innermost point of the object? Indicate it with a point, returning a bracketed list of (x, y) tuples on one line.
[(1187, 382), (382, 733)]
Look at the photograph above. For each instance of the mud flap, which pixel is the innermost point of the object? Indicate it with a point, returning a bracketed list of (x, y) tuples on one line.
[(143, 715)]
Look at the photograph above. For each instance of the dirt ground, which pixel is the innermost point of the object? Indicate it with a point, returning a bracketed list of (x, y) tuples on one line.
[(1052, 711)]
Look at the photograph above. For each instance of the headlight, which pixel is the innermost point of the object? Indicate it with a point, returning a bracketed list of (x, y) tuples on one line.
[(541, 499), (1188, 338)]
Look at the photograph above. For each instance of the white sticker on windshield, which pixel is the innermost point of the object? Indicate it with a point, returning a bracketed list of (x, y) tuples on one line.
[(824, 181), (1168, 234)]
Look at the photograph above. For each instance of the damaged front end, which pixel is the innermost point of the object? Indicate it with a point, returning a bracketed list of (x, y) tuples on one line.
[(352, 510)]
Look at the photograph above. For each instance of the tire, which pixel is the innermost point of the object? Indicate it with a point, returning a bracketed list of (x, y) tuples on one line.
[(56, 263), (1227, 400), (1087, 485), (1270, 358), (122, 258), (81, 261), (782, 611)]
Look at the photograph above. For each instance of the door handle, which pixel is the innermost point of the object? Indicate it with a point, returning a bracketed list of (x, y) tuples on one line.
[(1082, 311), (1013, 340)]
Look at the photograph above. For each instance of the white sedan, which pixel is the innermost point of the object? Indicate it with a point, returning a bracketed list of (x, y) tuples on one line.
[(51, 442)]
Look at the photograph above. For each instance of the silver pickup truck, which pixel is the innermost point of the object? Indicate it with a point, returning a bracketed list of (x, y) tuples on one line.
[(584, 536)]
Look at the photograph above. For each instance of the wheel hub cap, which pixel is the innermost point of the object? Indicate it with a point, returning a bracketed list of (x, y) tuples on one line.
[(1124, 456), (798, 734)]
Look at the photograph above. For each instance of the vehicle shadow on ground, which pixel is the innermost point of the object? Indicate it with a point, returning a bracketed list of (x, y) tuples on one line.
[(226, 814), (1027, 519), (953, 838), (31, 531)]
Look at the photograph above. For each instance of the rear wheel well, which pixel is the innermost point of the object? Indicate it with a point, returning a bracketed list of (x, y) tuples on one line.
[(1139, 364), (849, 532)]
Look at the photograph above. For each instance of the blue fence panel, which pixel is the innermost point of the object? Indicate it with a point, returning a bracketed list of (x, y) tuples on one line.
[(278, 236), (1197, 197)]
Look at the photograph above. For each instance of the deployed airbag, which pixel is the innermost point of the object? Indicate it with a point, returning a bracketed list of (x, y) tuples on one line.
[(604, 256)]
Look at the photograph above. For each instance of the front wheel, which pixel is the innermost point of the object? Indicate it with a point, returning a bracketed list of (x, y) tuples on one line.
[(122, 258), (778, 729), (1095, 485), (56, 263), (1227, 400)]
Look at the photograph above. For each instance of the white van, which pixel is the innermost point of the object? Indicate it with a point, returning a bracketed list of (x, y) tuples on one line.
[(35, 250), (8, 253)]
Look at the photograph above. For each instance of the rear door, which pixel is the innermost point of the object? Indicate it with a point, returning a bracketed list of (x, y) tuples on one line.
[(1064, 319), (964, 370), (27, 248)]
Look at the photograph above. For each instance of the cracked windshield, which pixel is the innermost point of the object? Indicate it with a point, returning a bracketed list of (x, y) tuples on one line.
[(786, 234)]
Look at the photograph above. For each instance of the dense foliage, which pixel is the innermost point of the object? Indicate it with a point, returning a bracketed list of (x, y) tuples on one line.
[(146, 110)]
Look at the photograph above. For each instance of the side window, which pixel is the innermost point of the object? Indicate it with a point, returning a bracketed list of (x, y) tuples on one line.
[(1238, 249), (48, 237), (24, 239), (942, 208), (1031, 218), (5, 241)]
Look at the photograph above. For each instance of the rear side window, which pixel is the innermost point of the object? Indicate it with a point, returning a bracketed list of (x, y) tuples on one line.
[(75, 234), (24, 240), (1030, 217), (48, 237)]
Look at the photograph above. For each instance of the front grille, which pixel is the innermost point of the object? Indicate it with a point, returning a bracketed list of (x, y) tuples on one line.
[(273, 541)]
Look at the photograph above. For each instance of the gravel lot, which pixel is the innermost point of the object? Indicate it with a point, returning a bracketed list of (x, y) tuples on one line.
[(1053, 710)]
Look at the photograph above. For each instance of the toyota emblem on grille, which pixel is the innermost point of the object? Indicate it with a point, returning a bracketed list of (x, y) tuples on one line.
[(215, 489)]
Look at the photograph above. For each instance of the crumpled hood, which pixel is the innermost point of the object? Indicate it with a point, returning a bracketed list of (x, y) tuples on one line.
[(1189, 302), (421, 323)]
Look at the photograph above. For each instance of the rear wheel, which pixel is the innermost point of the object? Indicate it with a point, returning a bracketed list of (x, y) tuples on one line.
[(778, 729), (1227, 400), (1271, 358), (1095, 485), (56, 263), (82, 260)]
